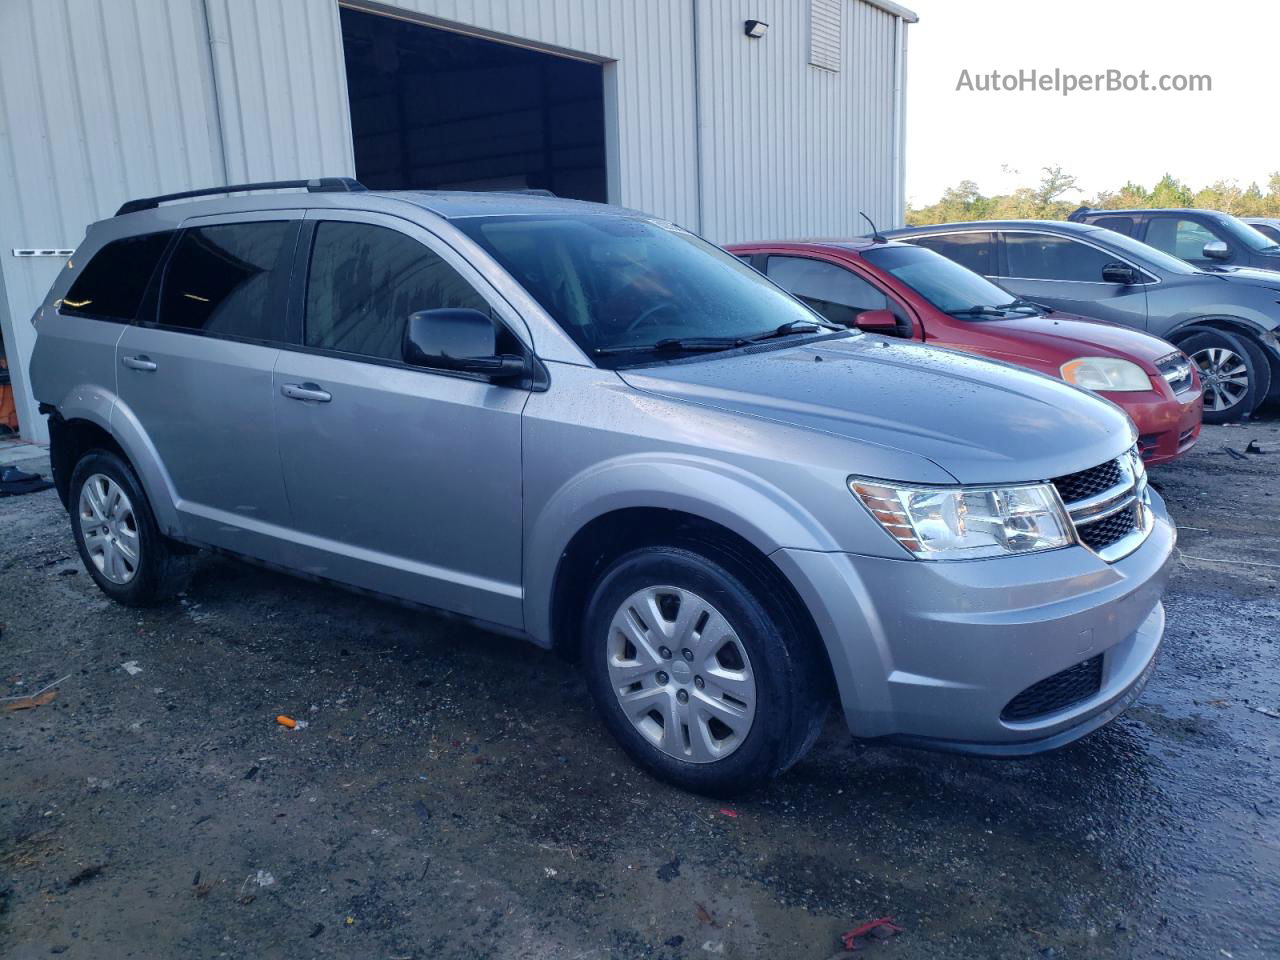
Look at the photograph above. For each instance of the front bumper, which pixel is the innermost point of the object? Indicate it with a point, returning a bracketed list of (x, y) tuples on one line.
[(931, 653), (1168, 424)]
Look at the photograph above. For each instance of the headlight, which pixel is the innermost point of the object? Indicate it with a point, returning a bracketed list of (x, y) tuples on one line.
[(1105, 373), (961, 523)]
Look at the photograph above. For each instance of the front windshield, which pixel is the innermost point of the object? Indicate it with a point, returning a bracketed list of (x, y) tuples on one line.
[(1249, 237), (625, 285), (1139, 251), (944, 283)]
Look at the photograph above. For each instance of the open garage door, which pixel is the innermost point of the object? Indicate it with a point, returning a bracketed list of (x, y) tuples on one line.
[(435, 109)]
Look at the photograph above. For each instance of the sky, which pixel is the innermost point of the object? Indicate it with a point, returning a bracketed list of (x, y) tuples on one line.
[(1002, 140)]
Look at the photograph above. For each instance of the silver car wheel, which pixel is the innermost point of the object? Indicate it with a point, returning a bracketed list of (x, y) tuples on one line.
[(681, 674), (109, 529), (1224, 375)]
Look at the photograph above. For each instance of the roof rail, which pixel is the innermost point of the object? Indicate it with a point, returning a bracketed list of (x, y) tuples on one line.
[(1080, 211), (314, 185)]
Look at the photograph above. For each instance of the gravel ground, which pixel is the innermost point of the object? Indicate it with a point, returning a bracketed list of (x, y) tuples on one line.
[(453, 795)]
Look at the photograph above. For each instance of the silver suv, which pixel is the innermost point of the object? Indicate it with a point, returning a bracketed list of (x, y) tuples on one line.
[(587, 426)]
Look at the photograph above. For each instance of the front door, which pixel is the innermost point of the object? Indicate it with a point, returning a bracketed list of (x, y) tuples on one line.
[(196, 378), (401, 479), (1066, 275)]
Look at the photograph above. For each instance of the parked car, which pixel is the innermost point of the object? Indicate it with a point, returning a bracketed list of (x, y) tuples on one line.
[(1226, 322), (904, 290), (588, 427), (1269, 227), (1204, 238)]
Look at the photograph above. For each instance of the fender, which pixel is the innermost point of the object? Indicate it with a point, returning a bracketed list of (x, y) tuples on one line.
[(760, 513), (1266, 336)]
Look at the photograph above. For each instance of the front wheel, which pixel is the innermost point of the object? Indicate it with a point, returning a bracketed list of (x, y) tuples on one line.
[(704, 683), (1233, 371)]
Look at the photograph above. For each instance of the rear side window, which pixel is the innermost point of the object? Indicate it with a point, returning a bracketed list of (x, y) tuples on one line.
[(112, 283), (1040, 256), (836, 293), (1267, 230), (1118, 224), (364, 282), (976, 251), (229, 280)]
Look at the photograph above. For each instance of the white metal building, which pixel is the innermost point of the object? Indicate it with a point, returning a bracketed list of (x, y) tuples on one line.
[(669, 106)]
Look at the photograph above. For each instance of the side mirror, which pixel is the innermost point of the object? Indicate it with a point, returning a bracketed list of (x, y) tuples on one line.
[(1120, 273), (876, 321), (1216, 250), (457, 339)]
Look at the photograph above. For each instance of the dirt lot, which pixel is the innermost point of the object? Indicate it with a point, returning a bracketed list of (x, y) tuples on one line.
[(453, 795)]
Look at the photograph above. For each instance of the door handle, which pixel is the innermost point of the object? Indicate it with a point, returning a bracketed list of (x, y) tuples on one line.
[(140, 362), (306, 391)]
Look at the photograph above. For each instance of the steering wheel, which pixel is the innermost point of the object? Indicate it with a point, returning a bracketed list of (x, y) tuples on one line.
[(646, 315)]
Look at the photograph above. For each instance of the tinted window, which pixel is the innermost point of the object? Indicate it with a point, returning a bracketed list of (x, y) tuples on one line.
[(620, 284), (1118, 224), (1040, 256), (366, 280), (228, 280), (836, 293), (112, 283), (1272, 233), (1182, 238), (976, 251)]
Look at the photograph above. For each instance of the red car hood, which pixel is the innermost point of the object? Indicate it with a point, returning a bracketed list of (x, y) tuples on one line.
[(1060, 337)]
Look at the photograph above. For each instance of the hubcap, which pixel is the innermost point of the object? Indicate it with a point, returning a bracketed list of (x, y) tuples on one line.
[(1224, 375), (109, 528), (698, 707)]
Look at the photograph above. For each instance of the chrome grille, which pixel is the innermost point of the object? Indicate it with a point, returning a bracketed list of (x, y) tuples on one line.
[(1176, 370), (1109, 505)]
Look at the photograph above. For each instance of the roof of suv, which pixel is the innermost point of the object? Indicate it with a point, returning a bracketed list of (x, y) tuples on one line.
[(1062, 226)]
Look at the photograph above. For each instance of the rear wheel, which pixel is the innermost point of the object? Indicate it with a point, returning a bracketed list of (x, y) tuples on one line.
[(1233, 370), (702, 681), (116, 534)]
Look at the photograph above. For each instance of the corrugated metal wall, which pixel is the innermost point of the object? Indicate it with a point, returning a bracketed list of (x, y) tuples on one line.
[(100, 100), (792, 150), (103, 100)]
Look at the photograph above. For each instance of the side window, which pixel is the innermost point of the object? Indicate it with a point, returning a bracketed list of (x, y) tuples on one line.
[(836, 293), (1041, 256), (226, 280), (1184, 239), (975, 251), (1118, 224), (1269, 231), (364, 282), (112, 283)]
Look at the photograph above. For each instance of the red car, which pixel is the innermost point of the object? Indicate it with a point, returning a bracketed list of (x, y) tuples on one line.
[(904, 290)]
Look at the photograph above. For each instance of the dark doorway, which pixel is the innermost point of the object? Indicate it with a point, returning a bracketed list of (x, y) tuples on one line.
[(434, 109)]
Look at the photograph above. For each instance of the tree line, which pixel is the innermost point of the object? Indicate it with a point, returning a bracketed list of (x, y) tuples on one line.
[(1044, 201)]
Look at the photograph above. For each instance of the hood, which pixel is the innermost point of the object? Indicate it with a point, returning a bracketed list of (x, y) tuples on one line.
[(979, 420), (1254, 275), (1072, 336)]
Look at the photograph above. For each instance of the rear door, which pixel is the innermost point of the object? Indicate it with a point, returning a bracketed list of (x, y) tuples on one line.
[(1066, 274), (195, 375), (401, 479)]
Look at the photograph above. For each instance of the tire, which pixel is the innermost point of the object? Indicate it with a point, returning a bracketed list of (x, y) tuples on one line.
[(755, 694), (120, 545), (1228, 395)]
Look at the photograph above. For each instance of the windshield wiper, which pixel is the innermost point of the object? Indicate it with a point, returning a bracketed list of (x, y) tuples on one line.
[(797, 326), (1022, 303), (676, 345), (977, 311)]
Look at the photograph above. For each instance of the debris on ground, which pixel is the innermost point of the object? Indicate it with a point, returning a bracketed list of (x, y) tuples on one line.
[(14, 482), (726, 812), (1236, 454), (28, 703), (882, 928), (1273, 714), (131, 667), (1255, 447), (704, 916), (85, 875), (287, 722)]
